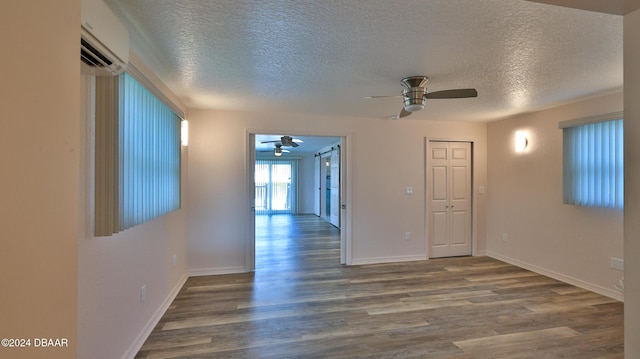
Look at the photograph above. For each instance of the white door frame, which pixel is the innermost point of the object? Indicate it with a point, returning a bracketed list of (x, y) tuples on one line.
[(474, 209), (250, 240), (345, 192)]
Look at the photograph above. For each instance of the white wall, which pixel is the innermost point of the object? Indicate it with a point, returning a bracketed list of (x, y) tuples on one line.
[(39, 173), (306, 190), (632, 185), (381, 212), (113, 322), (525, 202)]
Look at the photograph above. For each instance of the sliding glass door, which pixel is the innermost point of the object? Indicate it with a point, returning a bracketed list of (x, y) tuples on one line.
[(276, 189)]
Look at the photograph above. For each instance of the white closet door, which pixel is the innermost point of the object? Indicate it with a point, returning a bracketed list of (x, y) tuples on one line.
[(449, 198)]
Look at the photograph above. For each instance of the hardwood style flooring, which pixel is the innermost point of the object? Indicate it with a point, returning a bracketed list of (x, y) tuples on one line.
[(301, 303)]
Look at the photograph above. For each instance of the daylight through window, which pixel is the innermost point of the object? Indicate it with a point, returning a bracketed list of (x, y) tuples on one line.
[(593, 162)]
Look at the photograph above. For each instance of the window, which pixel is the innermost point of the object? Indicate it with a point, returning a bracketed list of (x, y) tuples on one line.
[(137, 155), (593, 161), (275, 182)]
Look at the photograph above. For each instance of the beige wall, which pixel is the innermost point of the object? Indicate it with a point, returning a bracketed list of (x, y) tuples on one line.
[(632, 185), (385, 157), (524, 191), (39, 173)]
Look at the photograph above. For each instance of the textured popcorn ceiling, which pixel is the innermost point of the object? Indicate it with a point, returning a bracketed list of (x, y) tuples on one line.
[(321, 56)]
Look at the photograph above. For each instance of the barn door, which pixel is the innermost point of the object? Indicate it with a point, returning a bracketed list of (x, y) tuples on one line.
[(335, 189)]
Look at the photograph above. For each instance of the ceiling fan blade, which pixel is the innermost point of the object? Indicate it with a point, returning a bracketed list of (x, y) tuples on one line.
[(404, 113), (382, 96), (294, 144), (270, 141), (457, 93)]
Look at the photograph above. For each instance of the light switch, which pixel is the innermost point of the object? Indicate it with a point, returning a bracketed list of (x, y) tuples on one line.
[(481, 189)]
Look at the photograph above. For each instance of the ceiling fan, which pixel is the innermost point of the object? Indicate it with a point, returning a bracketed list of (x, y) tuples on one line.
[(278, 150), (415, 95), (286, 141)]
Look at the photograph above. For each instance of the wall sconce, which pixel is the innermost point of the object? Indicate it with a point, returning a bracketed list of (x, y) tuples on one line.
[(184, 133), (521, 141)]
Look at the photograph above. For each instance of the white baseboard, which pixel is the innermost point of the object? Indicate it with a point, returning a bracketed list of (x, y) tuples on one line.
[(216, 271), (378, 260), (153, 321), (608, 292)]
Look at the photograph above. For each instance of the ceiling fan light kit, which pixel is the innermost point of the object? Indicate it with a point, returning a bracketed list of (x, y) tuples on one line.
[(278, 151), (413, 107), (413, 94)]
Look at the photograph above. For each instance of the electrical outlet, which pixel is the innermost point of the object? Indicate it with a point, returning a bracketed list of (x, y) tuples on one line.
[(407, 236), (174, 260), (617, 263), (504, 237)]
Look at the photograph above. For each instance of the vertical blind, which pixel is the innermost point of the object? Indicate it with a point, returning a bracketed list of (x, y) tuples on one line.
[(149, 155), (276, 189), (594, 164), (137, 156)]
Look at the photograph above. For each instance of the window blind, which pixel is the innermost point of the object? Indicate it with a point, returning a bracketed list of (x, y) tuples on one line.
[(137, 155), (593, 164), (149, 155)]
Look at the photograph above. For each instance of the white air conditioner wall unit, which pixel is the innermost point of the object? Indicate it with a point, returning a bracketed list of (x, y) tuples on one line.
[(104, 40)]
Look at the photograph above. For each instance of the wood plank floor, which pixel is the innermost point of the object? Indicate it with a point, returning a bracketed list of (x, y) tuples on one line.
[(301, 303)]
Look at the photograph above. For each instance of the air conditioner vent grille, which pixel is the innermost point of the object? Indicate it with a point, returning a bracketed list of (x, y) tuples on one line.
[(104, 40), (91, 56)]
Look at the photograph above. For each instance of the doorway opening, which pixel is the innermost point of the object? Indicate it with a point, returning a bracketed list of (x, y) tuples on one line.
[(289, 185)]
